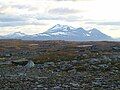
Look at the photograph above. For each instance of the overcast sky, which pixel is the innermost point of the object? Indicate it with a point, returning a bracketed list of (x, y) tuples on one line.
[(36, 16)]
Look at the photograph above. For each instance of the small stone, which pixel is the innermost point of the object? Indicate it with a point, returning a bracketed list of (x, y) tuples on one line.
[(39, 86)]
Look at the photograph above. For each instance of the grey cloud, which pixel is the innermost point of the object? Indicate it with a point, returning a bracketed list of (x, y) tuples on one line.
[(63, 11), (12, 24), (20, 6), (105, 23), (17, 6), (30, 8), (10, 18), (68, 19), (2, 7), (74, 18), (19, 23), (115, 29), (50, 18), (13, 20)]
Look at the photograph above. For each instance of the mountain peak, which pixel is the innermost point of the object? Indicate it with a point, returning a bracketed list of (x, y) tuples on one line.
[(59, 28), (15, 34), (94, 30), (62, 26), (80, 28), (18, 32), (57, 25)]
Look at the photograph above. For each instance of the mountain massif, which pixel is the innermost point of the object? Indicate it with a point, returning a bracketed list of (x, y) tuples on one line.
[(62, 32)]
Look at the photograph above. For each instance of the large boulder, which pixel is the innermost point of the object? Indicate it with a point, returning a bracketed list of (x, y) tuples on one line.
[(30, 64)]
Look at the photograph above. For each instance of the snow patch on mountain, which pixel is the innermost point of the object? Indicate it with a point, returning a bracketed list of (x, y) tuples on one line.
[(59, 33), (87, 34), (42, 34)]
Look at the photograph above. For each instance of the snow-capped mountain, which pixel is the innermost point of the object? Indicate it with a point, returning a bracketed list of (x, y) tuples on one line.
[(15, 35), (62, 32)]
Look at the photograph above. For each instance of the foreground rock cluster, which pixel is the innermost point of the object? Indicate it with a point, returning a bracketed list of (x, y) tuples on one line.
[(88, 74)]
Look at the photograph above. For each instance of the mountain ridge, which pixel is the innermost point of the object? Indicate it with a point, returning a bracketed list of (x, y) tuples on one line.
[(62, 32)]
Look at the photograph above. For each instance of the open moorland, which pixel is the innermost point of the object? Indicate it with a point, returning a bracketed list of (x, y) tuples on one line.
[(59, 65)]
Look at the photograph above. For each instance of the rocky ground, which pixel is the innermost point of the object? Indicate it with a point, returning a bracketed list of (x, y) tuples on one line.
[(88, 74)]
